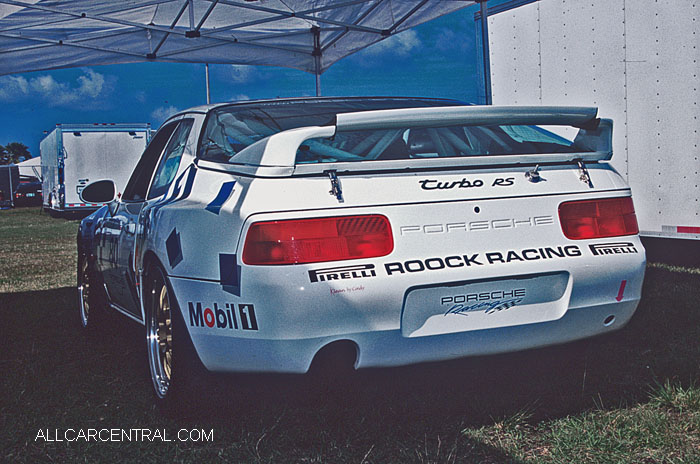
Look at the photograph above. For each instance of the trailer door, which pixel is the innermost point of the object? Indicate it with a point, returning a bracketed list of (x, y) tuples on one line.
[(95, 155)]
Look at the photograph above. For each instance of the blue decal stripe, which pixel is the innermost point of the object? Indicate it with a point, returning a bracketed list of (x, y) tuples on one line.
[(174, 249), (224, 194), (229, 274), (176, 189), (188, 183)]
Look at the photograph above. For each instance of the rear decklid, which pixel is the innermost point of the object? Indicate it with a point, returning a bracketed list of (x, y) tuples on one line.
[(424, 155)]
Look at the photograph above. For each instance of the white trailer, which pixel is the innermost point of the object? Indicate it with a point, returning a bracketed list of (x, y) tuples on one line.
[(638, 62), (73, 155)]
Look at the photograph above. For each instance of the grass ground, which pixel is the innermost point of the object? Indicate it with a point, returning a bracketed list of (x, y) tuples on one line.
[(38, 252), (628, 397)]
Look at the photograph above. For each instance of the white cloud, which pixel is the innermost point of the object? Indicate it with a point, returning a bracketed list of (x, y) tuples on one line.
[(240, 97), (400, 44), (88, 86), (12, 87), (162, 113), (91, 83), (241, 74)]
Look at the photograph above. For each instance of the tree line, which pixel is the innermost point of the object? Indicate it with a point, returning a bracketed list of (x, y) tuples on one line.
[(13, 153)]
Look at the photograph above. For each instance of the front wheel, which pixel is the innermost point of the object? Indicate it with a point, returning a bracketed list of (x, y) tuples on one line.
[(171, 358), (90, 295)]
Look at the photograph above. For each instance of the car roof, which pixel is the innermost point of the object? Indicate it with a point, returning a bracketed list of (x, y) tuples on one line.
[(318, 101)]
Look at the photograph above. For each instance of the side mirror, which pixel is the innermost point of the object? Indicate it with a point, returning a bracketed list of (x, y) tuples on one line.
[(100, 191)]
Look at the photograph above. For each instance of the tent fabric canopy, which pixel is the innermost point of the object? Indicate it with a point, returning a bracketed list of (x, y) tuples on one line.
[(309, 35)]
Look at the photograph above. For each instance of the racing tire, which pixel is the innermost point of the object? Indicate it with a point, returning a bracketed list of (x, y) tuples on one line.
[(176, 371), (91, 297)]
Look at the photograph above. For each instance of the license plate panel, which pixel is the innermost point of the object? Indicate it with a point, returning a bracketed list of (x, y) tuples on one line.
[(485, 304)]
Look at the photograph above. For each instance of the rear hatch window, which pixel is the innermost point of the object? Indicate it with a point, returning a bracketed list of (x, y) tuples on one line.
[(230, 129), (435, 142)]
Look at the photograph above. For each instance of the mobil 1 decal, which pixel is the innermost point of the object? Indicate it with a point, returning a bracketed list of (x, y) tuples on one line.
[(227, 316), (482, 259)]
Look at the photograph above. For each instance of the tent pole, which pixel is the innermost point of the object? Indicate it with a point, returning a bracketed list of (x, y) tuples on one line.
[(485, 51), (207, 77), (12, 193), (318, 81), (316, 31)]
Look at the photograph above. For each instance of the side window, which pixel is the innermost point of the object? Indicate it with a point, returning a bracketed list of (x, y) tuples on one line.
[(137, 186), (171, 159)]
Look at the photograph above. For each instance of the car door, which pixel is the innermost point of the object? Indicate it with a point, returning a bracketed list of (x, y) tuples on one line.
[(118, 268)]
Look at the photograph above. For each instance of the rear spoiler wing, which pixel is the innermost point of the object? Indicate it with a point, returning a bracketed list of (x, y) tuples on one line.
[(275, 156), (467, 116)]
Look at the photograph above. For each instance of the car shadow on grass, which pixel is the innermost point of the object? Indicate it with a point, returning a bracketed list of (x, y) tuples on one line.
[(57, 376)]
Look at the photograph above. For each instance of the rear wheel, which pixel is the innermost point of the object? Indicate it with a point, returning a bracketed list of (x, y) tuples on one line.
[(90, 295), (173, 364)]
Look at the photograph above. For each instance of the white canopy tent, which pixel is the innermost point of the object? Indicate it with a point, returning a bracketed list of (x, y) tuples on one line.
[(309, 35), (30, 167)]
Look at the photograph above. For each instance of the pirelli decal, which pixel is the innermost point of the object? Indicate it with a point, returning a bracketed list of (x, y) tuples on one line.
[(327, 274), (616, 248)]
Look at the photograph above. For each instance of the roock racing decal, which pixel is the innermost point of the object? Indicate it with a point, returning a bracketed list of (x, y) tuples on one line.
[(473, 226), (357, 271), (486, 302), (433, 184), (612, 248), (478, 259), (223, 318)]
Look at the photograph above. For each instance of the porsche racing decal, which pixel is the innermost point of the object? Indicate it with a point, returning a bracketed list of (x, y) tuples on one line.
[(486, 302), (223, 318)]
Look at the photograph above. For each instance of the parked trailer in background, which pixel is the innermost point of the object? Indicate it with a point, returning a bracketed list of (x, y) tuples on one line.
[(73, 155), (637, 62), (9, 180)]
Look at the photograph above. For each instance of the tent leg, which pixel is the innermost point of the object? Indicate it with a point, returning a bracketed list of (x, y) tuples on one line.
[(207, 77), (485, 50), (316, 31)]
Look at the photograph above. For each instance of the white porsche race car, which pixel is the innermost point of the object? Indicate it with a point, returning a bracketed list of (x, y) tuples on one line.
[(254, 236)]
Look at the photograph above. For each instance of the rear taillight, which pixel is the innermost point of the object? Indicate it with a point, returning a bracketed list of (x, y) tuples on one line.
[(315, 240), (609, 217)]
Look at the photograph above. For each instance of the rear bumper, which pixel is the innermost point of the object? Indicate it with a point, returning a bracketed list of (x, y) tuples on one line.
[(240, 351)]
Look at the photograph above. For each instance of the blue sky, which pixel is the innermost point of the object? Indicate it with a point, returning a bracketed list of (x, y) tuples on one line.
[(436, 59)]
